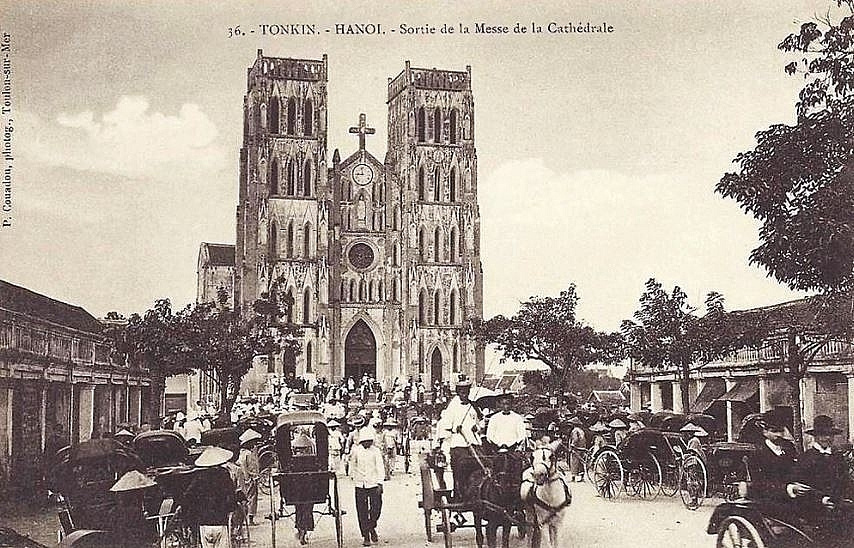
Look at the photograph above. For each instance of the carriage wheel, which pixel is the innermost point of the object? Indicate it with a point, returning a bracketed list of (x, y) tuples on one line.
[(693, 482), (336, 500), (644, 479), (446, 523), (738, 532), (264, 480), (608, 474), (670, 478)]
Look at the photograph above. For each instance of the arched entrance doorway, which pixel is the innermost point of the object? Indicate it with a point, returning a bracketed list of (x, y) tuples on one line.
[(360, 351), (436, 365)]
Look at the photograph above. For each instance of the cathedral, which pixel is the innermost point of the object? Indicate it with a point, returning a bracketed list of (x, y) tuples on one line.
[(380, 257)]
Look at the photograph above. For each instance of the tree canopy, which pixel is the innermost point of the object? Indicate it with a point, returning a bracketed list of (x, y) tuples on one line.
[(547, 329), (798, 181)]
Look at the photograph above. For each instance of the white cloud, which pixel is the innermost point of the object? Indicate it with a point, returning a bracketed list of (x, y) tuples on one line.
[(609, 232), (131, 140)]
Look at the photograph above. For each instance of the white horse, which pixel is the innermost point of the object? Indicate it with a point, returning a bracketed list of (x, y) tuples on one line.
[(546, 494)]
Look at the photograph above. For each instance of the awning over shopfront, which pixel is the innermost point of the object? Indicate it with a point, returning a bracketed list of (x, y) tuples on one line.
[(707, 396), (742, 391)]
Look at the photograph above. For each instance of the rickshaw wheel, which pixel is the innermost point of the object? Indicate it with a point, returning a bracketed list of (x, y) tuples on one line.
[(693, 482), (264, 480), (738, 532), (644, 478), (608, 474)]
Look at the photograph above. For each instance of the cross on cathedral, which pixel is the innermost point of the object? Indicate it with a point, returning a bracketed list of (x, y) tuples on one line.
[(362, 130)]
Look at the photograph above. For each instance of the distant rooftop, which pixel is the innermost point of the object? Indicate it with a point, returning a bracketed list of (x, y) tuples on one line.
[(24, 301), (219, 254)]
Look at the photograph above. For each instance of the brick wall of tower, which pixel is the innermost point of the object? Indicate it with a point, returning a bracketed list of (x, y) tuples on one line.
[(282, 223), (422, 144)]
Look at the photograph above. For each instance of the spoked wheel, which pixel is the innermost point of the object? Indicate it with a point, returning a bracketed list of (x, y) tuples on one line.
[(644, 478), (264, 481), (670, 479), (738, 532), (693, 482), (608, 474)]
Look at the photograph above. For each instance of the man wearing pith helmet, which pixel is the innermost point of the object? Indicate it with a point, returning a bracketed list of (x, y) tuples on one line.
[(457, 429)]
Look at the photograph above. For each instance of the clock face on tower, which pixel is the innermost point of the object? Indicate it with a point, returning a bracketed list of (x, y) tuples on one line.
[(362, 174)]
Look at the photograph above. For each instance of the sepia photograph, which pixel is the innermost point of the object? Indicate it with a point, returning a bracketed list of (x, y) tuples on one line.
[(435, 273)]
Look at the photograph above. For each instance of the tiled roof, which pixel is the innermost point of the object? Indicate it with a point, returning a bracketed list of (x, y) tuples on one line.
[(24, 301), (220, 254)]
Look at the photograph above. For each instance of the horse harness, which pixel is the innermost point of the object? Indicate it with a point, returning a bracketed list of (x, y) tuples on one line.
[(553, 511)]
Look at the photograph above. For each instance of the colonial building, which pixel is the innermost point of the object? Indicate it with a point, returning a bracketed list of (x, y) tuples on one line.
[(58, 384), (751, 380), (380, 253)]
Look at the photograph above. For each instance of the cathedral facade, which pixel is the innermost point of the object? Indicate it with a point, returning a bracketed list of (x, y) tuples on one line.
[(380, 257)]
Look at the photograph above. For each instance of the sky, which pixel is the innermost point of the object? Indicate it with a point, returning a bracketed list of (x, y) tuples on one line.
[(598, 154)]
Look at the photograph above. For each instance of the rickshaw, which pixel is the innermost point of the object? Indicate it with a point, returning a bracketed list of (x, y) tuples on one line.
[(304, 479), (638, 464), (167, 460), (83, 477)]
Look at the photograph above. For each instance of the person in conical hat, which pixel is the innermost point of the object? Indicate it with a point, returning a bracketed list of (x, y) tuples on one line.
[(210, 497), (620, 429), (124, 435), (249, 463), (131, 481)]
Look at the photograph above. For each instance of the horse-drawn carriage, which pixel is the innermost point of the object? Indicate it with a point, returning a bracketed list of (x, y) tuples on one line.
[(303, 477), (490, 492)]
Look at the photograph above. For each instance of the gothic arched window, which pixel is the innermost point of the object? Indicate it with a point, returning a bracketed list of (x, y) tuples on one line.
[(292, 178), (455, 358), (292, 116), (274, 240), (306, 307), (342, 296), (453, 129), (422, 307), (395, 295), (306, 179), (452, 186), (274, 177), (291, 305), (395, 256), (363, 291), (380, 291), (352, 290), (437, 245), (308, 118), (290, 250), (437, 308), (437, 125), (421, 183), (396, 218), (422, 245), (273, 115), (306, 241), (309, 366), (420, 124), (436, 186), (452, 246), (372, 291), (452, 308)]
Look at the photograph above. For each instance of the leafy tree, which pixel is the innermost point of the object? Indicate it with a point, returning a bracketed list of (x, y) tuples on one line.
[(798, 181), (219, 343), (667, 333), (150, 341), (546, 329)]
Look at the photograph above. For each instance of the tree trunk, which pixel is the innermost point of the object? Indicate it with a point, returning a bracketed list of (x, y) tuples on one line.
[(684, 383), (793, 376)]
